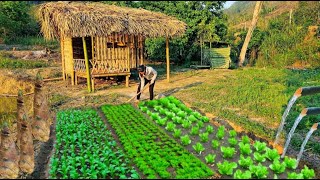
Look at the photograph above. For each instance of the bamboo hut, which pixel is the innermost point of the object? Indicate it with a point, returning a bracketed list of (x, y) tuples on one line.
[(100, 40)]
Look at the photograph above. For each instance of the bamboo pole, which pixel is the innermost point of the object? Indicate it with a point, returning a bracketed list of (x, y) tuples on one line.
[(168, 60), (92, 48), (62, 57), (87, 63)]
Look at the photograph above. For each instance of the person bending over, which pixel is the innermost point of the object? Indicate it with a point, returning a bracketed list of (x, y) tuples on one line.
[(147, 75)]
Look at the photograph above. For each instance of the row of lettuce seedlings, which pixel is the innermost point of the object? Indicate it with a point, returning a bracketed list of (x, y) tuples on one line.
[(155, 153), (256, 160), (85, 149)]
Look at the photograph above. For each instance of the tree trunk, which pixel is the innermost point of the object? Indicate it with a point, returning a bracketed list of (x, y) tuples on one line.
[(249, 34)]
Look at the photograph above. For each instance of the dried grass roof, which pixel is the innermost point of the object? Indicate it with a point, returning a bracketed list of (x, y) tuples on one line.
[(80, 19)]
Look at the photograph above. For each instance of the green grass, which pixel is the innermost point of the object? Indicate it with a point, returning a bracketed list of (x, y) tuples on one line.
[(255, 99), (34, 41), (9, 63)]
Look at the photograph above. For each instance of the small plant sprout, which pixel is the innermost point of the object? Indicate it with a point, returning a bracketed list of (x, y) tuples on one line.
[(228, 152), (170, 126), (259, 171), (272, 154), (194, 130), (233, 142), (295, 175), (259, 157), (290, 162), (210, 158), (205, 119), (307, 173), (186, 124), (215, 144), (185, 140), (200, 124), (226, 168), (242, 175), (259, 146), (204, 137), (176, 133), (245, 148), (232, 133), (209, 129), (198, 147), (245, 162), (278, 167), (220, 133), (245, 139)]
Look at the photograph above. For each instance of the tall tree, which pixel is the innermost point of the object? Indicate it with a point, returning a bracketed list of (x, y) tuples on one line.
[(249, 33)]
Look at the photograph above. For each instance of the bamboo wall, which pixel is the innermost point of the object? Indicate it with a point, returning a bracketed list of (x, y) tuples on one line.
[(110, 55), (68, 56)]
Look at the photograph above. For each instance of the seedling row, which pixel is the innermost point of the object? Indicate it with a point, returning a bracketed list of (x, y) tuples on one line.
[(84, 149), (169, 141), (237, 157), (152, 150)]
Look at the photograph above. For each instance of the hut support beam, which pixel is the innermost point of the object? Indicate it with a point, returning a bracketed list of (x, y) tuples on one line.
[(62, 58), (168, 60), (87, 64)]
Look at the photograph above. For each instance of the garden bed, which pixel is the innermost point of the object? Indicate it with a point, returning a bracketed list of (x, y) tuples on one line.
[(217, 145), (166, 139)]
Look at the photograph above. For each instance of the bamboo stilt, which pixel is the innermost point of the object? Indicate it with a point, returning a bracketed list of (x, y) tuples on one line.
[(87, 64), (62, 57), (168, 60)]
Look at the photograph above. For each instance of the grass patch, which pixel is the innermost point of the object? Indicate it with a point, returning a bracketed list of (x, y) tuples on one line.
[(9, 63), (255, 99), (34, 41)]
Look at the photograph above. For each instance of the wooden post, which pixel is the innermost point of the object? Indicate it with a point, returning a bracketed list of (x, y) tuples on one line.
[(62, 58), (87, 63), (290, 16), (168, 60), (201, 50)]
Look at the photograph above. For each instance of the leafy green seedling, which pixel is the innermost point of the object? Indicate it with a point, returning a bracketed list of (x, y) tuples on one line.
[(226, 168), (245, 148), (245, 139), (245, 162), (232, 133), (204, 137), (233, 142), (209, 129), (176, 133), (307, 173), (259, 146), (228, 152), (278, 167), (198, 147), (210, 158), (194, 130), (272, 154), (290, 162), (259, 171), (185, 140), (170, 126), (215, 144), (259, 157), (242, 175)]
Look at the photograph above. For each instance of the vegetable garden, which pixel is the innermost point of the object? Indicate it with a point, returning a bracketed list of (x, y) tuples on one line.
[(160, 139)]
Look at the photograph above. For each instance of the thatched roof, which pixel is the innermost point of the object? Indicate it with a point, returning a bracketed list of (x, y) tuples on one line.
[(79, 19)]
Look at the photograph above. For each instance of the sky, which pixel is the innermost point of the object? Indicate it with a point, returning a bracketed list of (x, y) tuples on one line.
[(228, 4)]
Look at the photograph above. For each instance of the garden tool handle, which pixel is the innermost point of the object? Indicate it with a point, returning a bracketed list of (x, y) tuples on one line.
[(145, 87)]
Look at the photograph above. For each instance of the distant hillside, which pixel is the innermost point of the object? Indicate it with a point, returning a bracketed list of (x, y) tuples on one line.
[(240, 13)]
